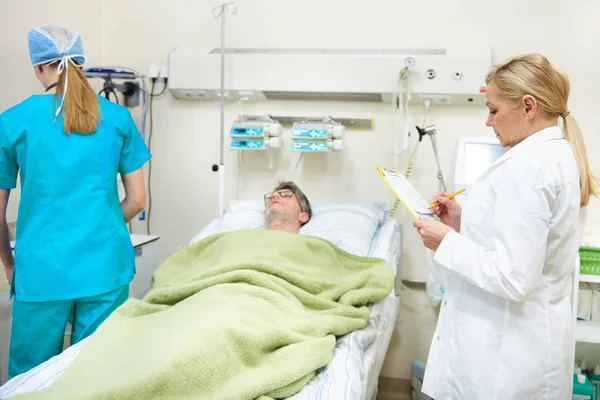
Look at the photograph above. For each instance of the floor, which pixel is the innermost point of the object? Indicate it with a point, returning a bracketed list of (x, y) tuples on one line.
[(390, 396), (393, 389)]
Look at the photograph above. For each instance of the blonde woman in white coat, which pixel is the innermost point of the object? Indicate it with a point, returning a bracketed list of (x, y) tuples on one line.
[(505, 329)]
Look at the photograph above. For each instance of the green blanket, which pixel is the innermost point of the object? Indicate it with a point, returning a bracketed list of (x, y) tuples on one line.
[(244, 315)]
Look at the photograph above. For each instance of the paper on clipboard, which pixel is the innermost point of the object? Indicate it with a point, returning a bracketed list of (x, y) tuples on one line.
[(406, 193)]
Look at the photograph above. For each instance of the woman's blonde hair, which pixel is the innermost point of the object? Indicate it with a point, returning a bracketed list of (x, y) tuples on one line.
[(533, 74), (81, 107)]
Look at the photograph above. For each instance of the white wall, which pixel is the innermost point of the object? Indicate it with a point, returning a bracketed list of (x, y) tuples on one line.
[(140, 33)]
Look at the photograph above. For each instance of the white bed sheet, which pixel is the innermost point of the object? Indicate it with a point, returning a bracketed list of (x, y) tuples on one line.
[(352, 374), (391, 246)]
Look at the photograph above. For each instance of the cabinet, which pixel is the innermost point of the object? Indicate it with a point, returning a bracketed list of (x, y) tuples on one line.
[(586, 332)]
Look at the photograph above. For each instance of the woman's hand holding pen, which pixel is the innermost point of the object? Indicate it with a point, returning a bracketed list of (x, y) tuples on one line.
[(448, 210)]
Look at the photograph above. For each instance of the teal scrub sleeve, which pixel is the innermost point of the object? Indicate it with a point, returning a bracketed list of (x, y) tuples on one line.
[(134, 153), (8, 160)]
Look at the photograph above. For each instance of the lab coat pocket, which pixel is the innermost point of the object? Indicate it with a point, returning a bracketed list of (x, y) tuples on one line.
[(471, 341)]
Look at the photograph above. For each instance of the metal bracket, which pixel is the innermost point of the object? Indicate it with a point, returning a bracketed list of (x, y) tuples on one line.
[(347, 122)]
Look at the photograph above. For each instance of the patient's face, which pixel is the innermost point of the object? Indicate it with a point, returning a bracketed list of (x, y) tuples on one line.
[(283, 209), (283, 199)]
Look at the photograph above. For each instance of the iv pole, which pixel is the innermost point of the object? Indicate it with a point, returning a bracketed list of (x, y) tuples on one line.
[(218, 12)]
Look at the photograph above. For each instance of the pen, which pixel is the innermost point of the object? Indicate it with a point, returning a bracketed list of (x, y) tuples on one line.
[(449, 197)]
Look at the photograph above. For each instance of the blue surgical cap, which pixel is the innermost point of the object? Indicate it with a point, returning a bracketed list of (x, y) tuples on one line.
[(52, 44), (49, 44)]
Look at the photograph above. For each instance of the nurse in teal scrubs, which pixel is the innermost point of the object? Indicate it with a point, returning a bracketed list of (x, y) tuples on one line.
[(73, 256)]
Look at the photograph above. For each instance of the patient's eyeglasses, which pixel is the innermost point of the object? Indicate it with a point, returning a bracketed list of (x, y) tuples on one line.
[(286, 193)]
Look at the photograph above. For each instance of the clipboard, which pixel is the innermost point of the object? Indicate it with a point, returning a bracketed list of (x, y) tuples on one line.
[(406, 193)]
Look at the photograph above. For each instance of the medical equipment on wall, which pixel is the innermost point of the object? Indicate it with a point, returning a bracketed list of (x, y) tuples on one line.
[(427, 130), (220, 12), (430, 131), (251, 133), (400, 113), (256, 133), (449, 76), (132, 87), (317, 135), (341, 75)]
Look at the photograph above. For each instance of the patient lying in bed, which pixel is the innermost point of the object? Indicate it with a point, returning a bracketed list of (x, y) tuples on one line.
[(286, 208), (232, 317)]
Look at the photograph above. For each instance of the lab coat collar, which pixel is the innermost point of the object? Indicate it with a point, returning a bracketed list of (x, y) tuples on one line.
[(528, 144)]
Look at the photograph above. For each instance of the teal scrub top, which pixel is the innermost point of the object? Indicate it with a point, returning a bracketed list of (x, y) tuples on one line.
[(72, 240)]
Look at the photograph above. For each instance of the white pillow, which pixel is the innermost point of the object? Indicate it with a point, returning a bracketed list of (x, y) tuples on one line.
[(232, 221), (350, 226)]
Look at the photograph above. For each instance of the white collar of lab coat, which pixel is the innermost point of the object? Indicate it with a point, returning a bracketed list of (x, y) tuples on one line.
[(528, 144)]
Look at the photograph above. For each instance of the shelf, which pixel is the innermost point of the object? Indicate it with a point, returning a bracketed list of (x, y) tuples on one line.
[(589, 278), (588, 332)]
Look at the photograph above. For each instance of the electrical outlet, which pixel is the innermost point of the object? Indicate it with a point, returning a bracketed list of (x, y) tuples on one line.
[(457, 75), (439, 99), (158, 71)]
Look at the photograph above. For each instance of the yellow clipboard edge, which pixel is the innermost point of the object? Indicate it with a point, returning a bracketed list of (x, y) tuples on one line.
[(410, 210)]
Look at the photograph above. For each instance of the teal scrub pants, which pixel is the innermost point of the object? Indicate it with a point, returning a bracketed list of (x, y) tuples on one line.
[(38, 329)]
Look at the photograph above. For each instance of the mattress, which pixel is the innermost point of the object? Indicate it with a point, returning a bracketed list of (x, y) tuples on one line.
[(352, 374), (391, 246)]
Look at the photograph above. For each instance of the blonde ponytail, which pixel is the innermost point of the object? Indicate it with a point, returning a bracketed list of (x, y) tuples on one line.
[(81, 107), (533, 74), (587, 180)]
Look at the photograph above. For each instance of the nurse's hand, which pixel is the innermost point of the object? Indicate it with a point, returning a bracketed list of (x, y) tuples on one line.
[(8, 271), (432, 232), (449, 211)]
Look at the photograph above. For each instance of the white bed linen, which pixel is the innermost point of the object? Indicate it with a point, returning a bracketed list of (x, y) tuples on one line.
[(352, 373), (391, 246)]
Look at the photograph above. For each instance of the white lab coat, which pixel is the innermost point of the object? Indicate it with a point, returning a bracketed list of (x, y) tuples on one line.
[(505, 330)]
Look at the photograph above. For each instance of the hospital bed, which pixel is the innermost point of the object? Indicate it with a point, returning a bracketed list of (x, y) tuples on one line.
[(353, 373)]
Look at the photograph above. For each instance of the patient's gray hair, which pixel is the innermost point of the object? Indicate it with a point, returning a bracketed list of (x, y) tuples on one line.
[(302, 199)]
